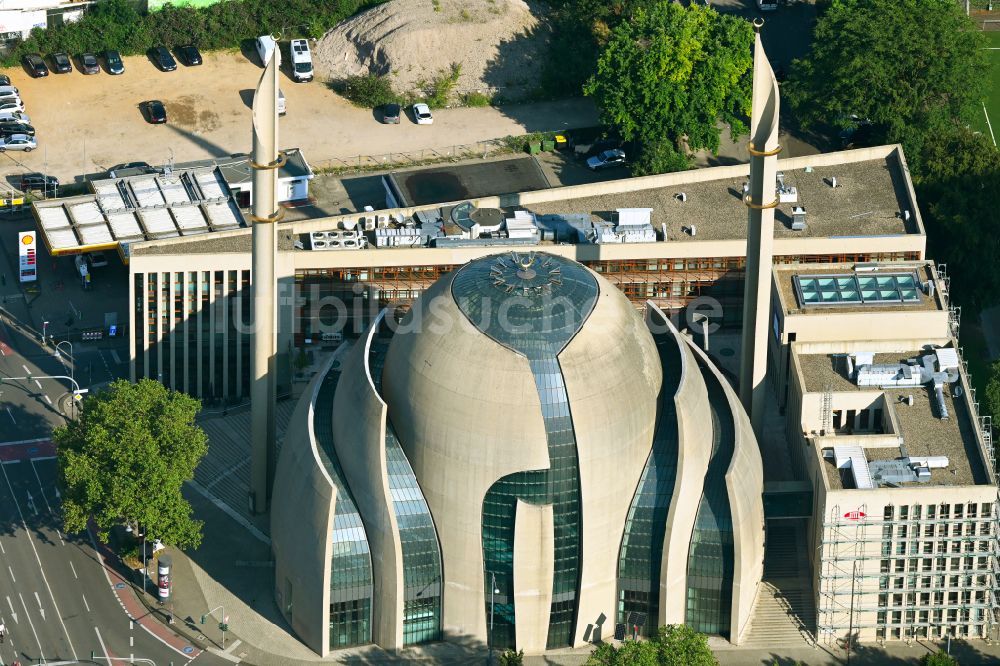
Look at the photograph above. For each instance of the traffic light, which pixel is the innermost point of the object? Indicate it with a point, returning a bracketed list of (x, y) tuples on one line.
[(203, 619), (223, 626)]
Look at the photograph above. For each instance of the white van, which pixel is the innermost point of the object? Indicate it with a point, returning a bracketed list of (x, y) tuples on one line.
[(281, 102), (767, 5), (265, 48), (302, 65)]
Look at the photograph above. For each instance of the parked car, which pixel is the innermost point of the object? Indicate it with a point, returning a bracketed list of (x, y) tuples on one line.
[(38, 181), (7, 129), (129, 165), (422, 114), (11, 105), (390, 114), (302, 64), (265, 48), (4, 80), (61, 64), (17, 142), (97, 259), (14, 117), (36, 66), (114, 62), (88, 64), (609, 158), (161, 56), (190, 55), (9, 92), (156, 113)]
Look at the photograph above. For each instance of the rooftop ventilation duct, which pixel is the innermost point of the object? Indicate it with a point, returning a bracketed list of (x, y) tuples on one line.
[(798, 218)]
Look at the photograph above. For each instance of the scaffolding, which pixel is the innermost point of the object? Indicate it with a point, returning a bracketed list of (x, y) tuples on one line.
[(870, 570), (826, 411)]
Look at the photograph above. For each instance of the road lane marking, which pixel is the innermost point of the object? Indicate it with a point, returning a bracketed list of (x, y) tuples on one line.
[(104, 648), (11, 415), (41, 656), (41, 488), (47, 398), (131, 641), (40, 609), (31, 503), (38, 384), (45, 578), (44, 458), (131, 624), (26, 371), (25, 441), (86, 605), (2, 549), (74, 569), (11, 573), (12, 613)]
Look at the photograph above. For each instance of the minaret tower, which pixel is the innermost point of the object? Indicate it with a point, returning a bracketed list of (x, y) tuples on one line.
[(761, 201), (264, 161)]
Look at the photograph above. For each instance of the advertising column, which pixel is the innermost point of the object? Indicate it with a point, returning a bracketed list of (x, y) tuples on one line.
[(163, 581)]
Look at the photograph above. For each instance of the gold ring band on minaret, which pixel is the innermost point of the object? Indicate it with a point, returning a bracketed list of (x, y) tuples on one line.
[(270, 219), (750, 204), (276, 164), (762, 153)]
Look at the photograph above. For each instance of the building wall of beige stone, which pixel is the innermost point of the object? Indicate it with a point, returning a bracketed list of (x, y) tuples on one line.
[(534, 563), (467, 413), (359, 434), (745, 488), (694, 449), (613, 377), (302, 556)]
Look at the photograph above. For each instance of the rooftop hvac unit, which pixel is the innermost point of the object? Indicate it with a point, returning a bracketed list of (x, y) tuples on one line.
[(798, 218), (832, 180), (681, 196), (931, 462)]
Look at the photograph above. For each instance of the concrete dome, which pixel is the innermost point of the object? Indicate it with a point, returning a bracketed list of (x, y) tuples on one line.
[(465, 379)]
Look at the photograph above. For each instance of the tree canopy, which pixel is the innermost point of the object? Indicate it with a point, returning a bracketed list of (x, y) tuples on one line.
[(667, 77), (673, 645), (939, 658), (125, 459), (912, 67)]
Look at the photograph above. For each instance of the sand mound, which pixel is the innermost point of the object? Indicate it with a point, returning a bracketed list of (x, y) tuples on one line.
[(499, 44)]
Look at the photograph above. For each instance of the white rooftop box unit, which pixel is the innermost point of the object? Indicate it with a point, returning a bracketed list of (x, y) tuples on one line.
[(853, 458)]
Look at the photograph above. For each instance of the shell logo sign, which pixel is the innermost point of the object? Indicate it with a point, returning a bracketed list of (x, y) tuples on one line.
[(26, 256), (854, 515)]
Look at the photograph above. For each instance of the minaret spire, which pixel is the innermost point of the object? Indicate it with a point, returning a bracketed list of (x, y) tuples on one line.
[(761, 202), (264, 161)]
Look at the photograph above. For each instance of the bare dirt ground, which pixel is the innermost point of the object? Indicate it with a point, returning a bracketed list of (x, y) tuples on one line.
[(86, 124)]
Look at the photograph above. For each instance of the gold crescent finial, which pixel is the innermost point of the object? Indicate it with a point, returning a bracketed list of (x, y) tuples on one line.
[(758, 23)]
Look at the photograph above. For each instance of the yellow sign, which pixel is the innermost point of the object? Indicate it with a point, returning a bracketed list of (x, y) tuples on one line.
[(27, 239)]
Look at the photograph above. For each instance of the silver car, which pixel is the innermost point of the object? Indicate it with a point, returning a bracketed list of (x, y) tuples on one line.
[(17, 142)]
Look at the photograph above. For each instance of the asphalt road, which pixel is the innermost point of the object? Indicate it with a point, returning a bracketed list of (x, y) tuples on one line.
[(55, 597)]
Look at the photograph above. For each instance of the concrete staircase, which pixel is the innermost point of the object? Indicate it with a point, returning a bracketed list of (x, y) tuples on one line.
[(786, 610)]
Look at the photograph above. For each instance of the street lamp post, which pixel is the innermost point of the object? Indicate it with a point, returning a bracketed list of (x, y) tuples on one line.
[(76, 392), (489, 636), (45, 329), (223, 626)]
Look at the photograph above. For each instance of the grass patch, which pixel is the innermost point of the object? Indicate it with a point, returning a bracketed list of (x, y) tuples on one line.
[(476, 99), (993, 100)]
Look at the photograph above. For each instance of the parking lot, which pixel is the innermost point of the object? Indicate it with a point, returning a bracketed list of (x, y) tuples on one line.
[(85, 124)]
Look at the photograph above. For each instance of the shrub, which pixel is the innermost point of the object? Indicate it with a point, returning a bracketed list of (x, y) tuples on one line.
[(368, 90), (476, 99), (438, 92)]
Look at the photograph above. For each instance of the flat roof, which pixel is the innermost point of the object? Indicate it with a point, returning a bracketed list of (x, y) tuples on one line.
[(923, 433), (784, 278), (147, 206), (439, 184), (868, 201)]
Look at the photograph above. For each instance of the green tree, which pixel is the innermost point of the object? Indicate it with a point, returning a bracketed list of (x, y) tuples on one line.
[(125, 459), (673, 645), (993, 391), (910, 66), (680, 645), (939, 658), (670, 74)]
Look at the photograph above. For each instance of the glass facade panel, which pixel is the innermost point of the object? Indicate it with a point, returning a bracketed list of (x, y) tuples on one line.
[(857, 289), (417, 535), (642, 544), (710, 558), (533, 305), (351, 564)]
